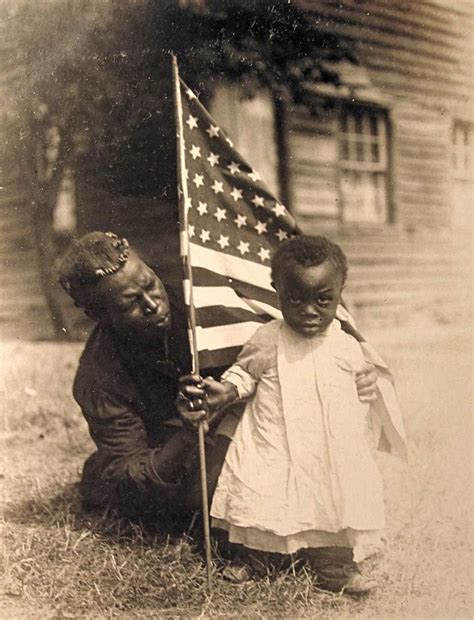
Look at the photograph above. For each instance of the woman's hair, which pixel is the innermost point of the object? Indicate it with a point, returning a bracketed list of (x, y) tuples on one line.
[(88, 260), (308, 252)]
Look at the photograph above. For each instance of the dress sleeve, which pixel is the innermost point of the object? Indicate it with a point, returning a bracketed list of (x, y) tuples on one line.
[(120, 435), (252, 361)]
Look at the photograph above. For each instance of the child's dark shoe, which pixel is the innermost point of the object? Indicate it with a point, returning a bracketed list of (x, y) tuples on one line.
[(250, 565), (357, 583), (344, 578), (237, 572)]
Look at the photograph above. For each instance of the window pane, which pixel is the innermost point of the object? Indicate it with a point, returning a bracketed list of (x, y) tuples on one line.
[(363, 138), (344, 148), (364, 195), (344, 125), (375, 151), (373, 125)]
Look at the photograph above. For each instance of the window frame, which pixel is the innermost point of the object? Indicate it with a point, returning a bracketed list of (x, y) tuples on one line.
[(287, 112), (463, 151), (382, 166)]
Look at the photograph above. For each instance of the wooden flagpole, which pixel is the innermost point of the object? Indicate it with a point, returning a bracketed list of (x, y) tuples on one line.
[(183, 185)]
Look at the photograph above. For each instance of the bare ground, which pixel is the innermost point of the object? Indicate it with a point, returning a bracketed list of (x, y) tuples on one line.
[(58, 562)]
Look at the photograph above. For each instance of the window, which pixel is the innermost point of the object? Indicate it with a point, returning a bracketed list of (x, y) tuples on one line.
[(462, 166), (339, 164), (363, 165)]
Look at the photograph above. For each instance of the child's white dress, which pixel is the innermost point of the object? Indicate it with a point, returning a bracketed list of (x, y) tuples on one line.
[(300, 471)]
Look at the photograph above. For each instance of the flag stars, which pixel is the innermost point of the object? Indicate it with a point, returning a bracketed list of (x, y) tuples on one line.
[(188, 203), (223, 242), (261, 227), (258, 201), (190, 95), (236, 194), (233, 167), (202, 208), (220, 214), (198, 180), (255, 176), (241, 220), (279, 209), (213, 131), (191, 231), (192, 121), (229, 142), (281, 234), (213, 159), (264, 254), (205, 236), (195, 151), (243, 247), (217, 187)]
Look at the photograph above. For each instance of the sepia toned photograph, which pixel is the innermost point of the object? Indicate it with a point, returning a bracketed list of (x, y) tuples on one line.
[(236, 309)]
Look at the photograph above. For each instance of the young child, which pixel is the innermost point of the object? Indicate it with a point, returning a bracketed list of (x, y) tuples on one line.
[(300, 473)]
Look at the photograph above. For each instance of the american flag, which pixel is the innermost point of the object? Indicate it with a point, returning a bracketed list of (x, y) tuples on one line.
[(230, 225), (233, 224)]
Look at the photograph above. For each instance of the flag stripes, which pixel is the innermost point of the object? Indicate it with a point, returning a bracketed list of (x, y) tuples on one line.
[(221, 315), (225, 336), (218, 358), (225, 296), (231, 266), (205, 277)]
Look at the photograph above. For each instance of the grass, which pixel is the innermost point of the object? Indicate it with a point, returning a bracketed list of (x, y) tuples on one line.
[(60, 562)]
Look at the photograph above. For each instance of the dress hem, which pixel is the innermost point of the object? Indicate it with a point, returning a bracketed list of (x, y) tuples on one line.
[(363, 542)]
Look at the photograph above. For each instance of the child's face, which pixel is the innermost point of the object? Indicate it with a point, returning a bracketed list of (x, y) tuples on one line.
[(309, 296)]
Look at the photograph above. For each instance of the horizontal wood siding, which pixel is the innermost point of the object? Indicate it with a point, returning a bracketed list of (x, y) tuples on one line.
[(396, 279), (411, 48), (23, 309), (419, 54), (421, 169)]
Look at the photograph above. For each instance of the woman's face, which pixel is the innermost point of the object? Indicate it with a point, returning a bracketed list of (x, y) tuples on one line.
[(135, 301), (309, 296)]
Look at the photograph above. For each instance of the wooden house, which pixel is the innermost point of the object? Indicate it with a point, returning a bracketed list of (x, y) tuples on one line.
[(395, 148), (384, 166), (387, 169)]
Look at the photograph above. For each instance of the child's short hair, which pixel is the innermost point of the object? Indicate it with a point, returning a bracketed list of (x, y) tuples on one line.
[(308, 252)]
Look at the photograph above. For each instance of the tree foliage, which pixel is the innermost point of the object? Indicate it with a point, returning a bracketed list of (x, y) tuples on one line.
[(87, 86), (99, 72), (270, 44)]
